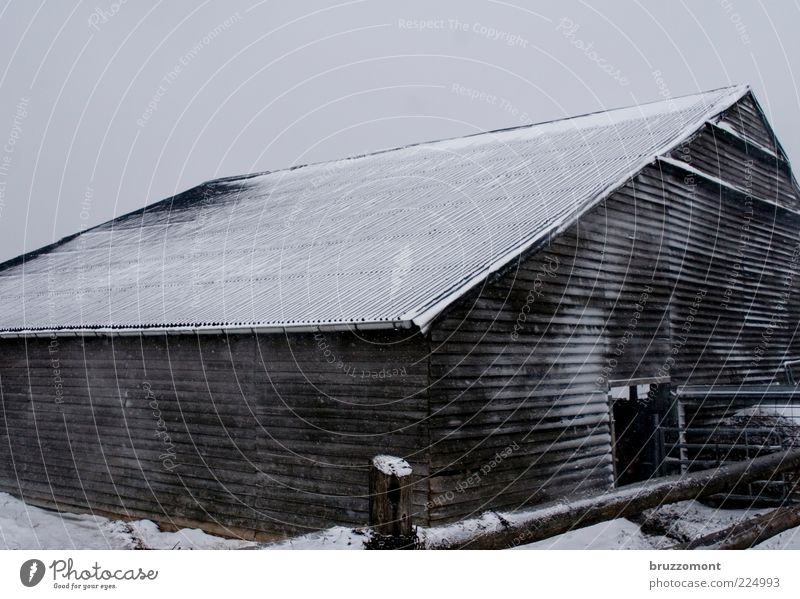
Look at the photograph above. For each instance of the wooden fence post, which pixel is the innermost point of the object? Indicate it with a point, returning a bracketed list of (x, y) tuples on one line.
[(390, 500)]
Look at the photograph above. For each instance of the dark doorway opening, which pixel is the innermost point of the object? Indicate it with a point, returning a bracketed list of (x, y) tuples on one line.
[(637, 412)]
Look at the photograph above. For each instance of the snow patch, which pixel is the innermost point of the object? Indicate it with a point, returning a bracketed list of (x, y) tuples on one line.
[(27, 527), (152, 537), (616, 534), (391, 465), (788, 539), (338, 537)]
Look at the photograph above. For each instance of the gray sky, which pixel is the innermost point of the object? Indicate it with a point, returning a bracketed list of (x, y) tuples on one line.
[(108, 106)]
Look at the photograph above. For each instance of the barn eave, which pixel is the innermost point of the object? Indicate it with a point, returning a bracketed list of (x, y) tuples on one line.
[(208, 329)]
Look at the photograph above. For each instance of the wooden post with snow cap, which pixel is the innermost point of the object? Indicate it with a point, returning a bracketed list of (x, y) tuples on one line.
[(390, 496)]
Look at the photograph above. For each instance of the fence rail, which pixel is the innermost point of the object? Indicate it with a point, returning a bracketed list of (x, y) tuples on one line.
[(688, 449)]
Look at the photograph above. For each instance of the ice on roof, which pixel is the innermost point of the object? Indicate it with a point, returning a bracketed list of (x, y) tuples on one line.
[(388, 239)]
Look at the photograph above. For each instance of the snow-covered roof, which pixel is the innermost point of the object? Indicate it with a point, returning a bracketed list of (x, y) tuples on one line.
[(388, 239)]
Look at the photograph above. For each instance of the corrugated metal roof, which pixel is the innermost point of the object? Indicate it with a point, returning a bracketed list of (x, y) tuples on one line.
[(387, 239)]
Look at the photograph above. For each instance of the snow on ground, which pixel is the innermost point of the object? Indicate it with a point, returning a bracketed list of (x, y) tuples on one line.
[(616, 534), (185, 538), (788, 539), (338, 537), (688, 520), (27, 527)]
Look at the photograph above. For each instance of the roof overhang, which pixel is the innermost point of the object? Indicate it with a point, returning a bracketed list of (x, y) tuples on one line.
[(209, 330)]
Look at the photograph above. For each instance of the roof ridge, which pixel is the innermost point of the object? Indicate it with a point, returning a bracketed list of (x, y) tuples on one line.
[(25, 256), (234, 178), (425, 317)]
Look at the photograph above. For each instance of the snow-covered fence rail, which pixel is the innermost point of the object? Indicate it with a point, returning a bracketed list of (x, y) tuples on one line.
[(557, 518)]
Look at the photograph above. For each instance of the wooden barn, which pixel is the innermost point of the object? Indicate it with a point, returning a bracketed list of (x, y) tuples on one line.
[(514, 313)]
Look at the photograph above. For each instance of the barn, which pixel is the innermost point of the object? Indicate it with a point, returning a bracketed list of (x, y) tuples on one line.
[(515, 313)]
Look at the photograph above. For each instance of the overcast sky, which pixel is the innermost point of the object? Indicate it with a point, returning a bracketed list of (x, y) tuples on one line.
[(107, 106)]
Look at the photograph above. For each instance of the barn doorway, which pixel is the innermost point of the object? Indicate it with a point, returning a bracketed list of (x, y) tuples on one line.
[(638, 410)]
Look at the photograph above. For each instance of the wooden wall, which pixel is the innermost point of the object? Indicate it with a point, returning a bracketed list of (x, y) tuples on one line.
[(742, 248), (520, 370), (642, 288), (322, 416), (773, 180), (241, 436), (131, 408)]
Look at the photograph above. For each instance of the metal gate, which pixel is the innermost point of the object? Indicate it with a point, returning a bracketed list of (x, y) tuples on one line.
[(723, 424)]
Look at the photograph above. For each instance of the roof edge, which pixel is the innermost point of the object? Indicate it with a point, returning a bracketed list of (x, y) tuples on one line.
[(501, 130), (233, 329), (424, 318)]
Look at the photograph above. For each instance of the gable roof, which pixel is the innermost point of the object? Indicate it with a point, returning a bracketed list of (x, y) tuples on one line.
[(388, 239)]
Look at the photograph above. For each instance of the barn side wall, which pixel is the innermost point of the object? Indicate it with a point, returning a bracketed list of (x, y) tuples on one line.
[(674, 276), (738, 244), (754, 139), (520, 371), (325, 415), (240, 435)]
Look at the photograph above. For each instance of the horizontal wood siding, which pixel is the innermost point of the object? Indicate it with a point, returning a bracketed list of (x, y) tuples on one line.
[(742, 255), (327, 403), (153, 428), (719, 271), (745, 118), (520, 370), (745, 166), (250, 443)]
